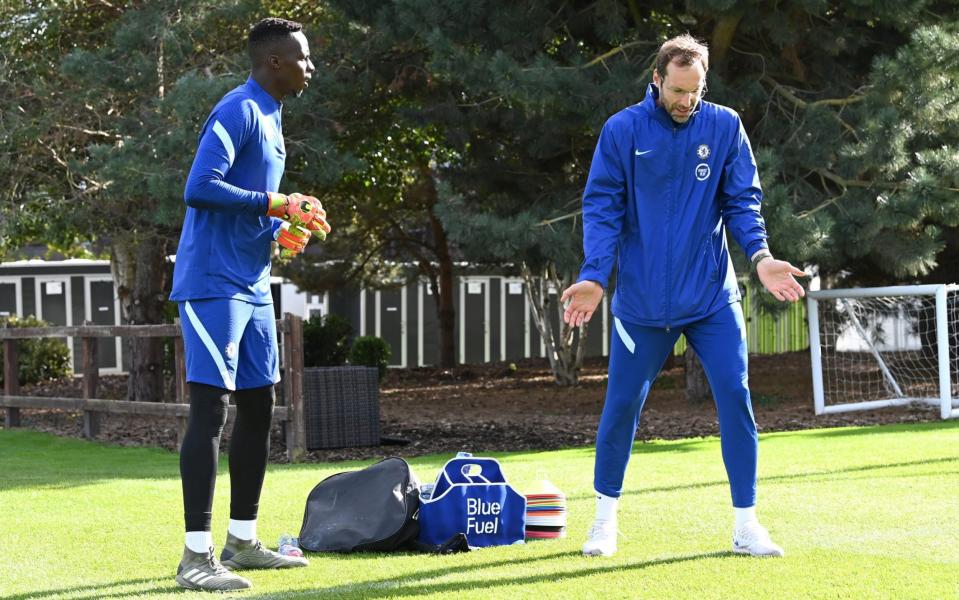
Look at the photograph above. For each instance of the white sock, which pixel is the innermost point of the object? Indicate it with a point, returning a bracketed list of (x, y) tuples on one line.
[(199, 541), (245, 530), (744, 515), (606, 507)]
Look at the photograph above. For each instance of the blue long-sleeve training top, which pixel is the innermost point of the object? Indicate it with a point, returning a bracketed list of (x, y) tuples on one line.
[(657, 202), (225, 245)]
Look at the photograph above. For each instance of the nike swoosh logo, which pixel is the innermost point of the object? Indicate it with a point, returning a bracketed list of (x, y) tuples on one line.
[(638, 153)]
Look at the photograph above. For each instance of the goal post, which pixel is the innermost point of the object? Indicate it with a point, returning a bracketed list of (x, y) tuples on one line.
[(888, 346)]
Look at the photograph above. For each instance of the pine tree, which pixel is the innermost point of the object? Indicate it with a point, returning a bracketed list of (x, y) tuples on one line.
[(835, 96), (372, 159), (438, 130), (104, 104)]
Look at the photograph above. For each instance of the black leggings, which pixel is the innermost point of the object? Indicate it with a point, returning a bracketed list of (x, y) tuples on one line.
[(249, 451)]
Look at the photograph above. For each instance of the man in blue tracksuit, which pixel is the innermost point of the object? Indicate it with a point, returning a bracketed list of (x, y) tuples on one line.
[(221, 281), (670, 176)]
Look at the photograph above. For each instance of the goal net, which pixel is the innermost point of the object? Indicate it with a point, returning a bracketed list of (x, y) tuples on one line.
[(878, 347)]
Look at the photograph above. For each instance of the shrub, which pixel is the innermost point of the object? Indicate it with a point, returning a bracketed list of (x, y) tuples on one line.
[(326, 341), (39, 359), (371, 351)]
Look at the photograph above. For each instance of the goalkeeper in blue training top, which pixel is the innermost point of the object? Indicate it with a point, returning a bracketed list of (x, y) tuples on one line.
[(221, 281), (670, 176)]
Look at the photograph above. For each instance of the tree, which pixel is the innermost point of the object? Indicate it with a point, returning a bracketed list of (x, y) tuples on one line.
[(374, 158), (107, 98), (444, 148), (448, 131), (852, 110), (513, 96), (53, 198)]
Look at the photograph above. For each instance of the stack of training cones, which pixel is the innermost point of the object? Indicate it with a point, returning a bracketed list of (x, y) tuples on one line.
[(545, 512)]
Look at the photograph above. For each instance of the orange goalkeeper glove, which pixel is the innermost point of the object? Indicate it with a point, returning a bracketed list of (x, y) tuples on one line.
[(299, 209), (292, 239)]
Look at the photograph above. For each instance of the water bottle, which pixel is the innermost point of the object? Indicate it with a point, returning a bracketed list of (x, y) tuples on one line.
[(289, 545), (426, 491)]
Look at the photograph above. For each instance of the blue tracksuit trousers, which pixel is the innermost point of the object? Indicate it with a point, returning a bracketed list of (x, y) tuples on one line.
[(637, 354)]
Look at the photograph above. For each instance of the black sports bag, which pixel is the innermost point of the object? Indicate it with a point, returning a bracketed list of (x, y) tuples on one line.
[(371, 510)]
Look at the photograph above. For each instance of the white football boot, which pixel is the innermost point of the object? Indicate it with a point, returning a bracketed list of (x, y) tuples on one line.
[(753, 539), (601, 539)]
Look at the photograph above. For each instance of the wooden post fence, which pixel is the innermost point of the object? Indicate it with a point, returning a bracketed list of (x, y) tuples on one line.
[(91, 420), (290, 326), (11, 380), (293, 387), (180, 387)]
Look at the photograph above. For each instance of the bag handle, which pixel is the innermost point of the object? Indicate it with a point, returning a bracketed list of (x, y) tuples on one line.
[(473, 470), (467, 470)]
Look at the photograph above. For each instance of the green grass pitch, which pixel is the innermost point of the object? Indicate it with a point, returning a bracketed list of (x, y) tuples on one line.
[(862, 513)]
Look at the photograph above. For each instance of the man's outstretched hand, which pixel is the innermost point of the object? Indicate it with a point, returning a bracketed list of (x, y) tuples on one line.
[(778, 277), (581, 300)]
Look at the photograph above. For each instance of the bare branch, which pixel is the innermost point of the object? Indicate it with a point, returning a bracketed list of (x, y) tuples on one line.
[(838, 101), (761, 58), (614, 52), (601, 59), (91, 186), (861, 183), (481, 102), (571, 215), (802, 104), (818, 208), (93, 132)]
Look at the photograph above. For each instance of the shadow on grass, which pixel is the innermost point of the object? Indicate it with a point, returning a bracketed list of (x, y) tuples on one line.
[(817, 475), (33, 460), (102, 590), (412, 585), (415, 584), (871, 430), (91, 592)]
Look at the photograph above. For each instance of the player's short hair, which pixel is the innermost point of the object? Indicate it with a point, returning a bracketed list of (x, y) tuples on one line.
[(267, 31), (685, 50)]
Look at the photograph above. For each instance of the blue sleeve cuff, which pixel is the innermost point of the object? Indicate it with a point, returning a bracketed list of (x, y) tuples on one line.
[(754, 247), (264, 203), (593, 275)]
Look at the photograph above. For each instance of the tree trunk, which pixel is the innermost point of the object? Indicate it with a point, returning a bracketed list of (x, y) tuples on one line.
[(697, 386), (140, 270), (445, 309), (569, 361), (564, 348), (447, 314), (723, 34)]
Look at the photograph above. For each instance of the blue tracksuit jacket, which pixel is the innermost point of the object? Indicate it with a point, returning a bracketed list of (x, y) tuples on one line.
[(658, 199), (225, 244)]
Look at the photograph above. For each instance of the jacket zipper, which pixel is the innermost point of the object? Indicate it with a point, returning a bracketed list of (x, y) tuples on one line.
[(669, 253)]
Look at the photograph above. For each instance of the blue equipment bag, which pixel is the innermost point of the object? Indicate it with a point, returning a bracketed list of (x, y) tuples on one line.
[(471, 496)]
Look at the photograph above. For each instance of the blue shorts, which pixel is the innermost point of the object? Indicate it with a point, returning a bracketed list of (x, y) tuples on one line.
[(229, 343)]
